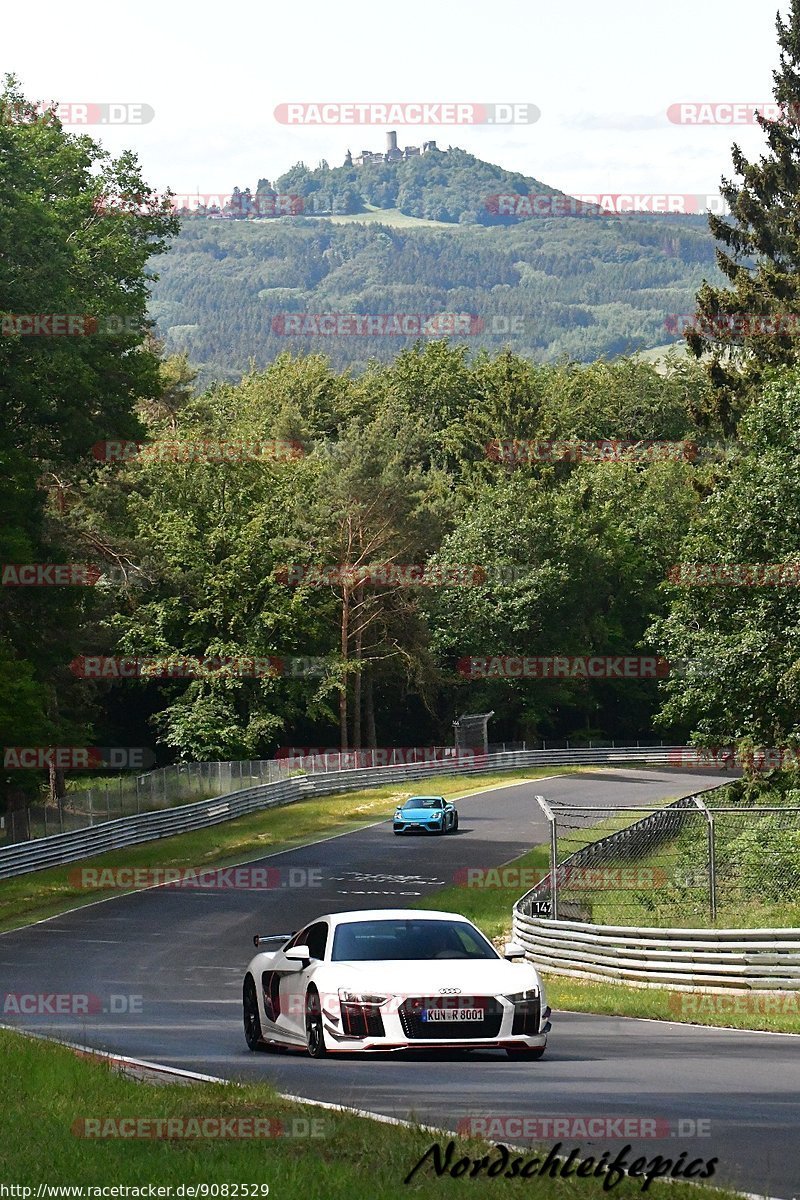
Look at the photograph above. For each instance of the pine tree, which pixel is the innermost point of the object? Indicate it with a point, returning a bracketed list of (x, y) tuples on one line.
[(752, 324)]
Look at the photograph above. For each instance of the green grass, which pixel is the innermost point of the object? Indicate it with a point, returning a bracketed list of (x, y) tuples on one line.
[(45, 1089), (41, 894), (490, 909), (740, 1010)]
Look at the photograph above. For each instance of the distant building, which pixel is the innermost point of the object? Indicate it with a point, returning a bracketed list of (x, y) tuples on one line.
[(392, 153)]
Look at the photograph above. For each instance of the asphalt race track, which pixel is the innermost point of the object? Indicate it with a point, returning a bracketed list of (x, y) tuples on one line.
[(177, 957)]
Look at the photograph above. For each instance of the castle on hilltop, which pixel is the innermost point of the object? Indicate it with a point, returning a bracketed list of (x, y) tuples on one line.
[(393, 153)]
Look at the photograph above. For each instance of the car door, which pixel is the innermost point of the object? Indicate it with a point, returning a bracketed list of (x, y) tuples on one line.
[(293, 986)]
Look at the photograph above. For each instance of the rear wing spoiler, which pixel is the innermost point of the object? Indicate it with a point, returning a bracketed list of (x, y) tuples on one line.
[(259, 939)]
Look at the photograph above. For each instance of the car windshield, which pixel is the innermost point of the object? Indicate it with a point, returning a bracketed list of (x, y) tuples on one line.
[(424, 802), (392, 939)]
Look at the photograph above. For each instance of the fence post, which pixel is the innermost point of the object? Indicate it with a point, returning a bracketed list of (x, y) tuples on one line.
[(550, 815), (712, 858)]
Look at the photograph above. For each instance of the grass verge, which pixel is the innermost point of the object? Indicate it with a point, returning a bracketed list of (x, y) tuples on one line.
[(46, 1092), (490, 908), (46, 893)]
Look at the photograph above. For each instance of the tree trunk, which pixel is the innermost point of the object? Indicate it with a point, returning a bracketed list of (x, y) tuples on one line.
[(345, 649), (369, 709), (357, 679)]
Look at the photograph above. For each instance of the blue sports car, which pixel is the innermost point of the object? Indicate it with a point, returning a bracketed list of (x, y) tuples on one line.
[(430, 814)]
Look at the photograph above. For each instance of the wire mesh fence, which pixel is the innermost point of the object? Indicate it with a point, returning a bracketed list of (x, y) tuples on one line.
[(696, 861), (91, 801), (96, 800)]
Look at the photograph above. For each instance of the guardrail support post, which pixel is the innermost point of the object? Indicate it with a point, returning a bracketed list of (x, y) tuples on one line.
[(712, 858), (551, 818)]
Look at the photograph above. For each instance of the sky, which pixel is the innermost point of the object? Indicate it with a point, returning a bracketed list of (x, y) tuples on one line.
[(603, 77)]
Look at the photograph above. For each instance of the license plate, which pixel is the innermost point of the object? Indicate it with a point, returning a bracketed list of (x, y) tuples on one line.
[(452, 1014)]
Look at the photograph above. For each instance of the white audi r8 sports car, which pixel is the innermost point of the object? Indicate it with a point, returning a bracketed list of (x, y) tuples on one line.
[(393, 979)]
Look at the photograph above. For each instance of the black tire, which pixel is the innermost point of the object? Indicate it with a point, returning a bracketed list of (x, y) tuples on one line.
[(455, 822), (315, 1035), (526, 1053), (252, 1021)]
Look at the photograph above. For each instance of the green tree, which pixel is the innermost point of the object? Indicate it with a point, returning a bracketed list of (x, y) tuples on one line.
[(751, 323), (77, 231), (738, 645)]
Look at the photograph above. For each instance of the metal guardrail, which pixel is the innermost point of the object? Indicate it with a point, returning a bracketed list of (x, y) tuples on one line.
[(689, 959), (22, 857)]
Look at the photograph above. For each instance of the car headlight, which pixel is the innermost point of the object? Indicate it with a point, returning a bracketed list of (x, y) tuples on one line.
[(346, 997), (523, 997)]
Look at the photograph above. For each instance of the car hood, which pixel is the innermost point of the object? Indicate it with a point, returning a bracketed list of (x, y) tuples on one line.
[(421, 812), (487, 976)]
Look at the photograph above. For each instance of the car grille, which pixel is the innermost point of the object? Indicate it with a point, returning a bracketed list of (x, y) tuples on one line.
[(362, 1020), (447, 1031)]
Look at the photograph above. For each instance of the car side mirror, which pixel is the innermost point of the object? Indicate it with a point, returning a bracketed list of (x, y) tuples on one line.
[(513, 950), (300, 954)]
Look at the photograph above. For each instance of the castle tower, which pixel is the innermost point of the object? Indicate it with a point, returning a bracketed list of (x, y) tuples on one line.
[(348, 159), (391, 142)]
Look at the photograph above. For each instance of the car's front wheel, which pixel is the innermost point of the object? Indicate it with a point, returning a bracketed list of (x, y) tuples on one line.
[(252, 1020), (527, 1052), (455, 821), (315, 1036)]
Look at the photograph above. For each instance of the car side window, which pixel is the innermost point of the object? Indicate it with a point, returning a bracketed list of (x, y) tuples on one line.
[(317, 939)]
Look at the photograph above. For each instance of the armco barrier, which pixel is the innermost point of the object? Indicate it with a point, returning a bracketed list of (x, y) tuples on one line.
[(647, 957), (689, 959), (23, 857)]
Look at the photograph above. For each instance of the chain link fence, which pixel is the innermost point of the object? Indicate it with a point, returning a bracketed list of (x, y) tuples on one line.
[(128, 795), (87, 803), (696, 861)]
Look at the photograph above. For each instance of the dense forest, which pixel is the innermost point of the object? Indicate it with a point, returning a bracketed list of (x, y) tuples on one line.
[(224, 495), (557, 288)]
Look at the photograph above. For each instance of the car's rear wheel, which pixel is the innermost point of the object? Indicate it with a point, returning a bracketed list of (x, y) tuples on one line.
[(252, 1020), (315, 1036), (455, 821), (526, 1052)]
